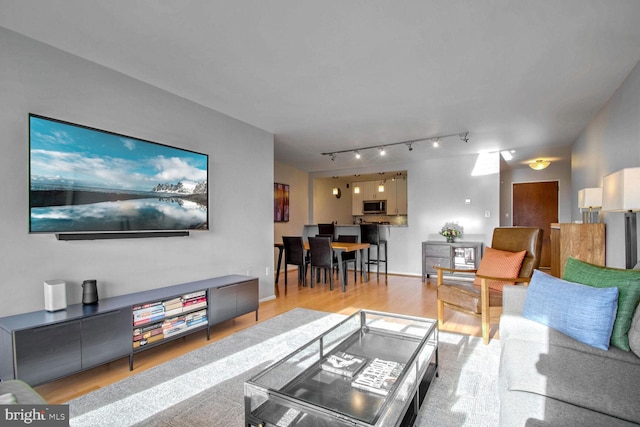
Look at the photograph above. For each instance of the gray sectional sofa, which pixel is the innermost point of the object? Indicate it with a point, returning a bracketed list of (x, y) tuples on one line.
[(549, 379), (19, 392)]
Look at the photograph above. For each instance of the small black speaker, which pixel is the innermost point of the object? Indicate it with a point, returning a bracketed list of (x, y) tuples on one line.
[(90, 292)]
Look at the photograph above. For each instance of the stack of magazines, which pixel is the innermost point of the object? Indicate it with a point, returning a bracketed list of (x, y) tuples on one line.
[(379, 376), (344, 364)]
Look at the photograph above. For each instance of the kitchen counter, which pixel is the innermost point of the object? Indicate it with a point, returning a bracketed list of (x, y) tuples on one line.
[(346, 229)]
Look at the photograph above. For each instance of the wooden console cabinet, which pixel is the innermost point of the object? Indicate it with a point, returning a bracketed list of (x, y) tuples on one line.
[(42, 346), (458, 255), (585, 242)]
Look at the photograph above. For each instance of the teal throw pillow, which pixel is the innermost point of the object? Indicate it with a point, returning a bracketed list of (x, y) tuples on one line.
[(628, 284), (584, 313)]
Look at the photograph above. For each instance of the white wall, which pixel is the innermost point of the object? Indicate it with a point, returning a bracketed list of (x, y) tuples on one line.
[(298, 202), (40, 79), (610, 142), (326, 207)]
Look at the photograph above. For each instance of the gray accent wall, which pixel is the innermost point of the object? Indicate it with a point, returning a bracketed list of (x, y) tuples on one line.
[(36, 78), (609, 143)]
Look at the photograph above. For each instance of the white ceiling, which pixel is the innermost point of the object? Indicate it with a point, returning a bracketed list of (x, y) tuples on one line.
[(333, 75)]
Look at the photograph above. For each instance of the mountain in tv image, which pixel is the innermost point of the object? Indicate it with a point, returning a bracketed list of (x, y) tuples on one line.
[(83, 179)]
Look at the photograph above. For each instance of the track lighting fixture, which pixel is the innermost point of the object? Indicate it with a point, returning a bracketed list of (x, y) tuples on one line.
[(464, 136)]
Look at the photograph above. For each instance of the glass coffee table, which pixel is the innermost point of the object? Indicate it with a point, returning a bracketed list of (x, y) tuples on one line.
[(371, 369)]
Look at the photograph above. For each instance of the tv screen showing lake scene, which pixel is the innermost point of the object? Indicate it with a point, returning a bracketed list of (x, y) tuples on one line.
[(88, 180)]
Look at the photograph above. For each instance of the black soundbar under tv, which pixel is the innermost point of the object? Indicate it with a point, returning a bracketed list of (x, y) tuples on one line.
[(120, 235)]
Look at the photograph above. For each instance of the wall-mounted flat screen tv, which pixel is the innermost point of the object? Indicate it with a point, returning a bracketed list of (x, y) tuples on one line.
[(83, 180)]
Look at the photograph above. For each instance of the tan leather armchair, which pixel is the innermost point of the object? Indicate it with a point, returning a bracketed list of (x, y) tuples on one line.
[(464, 297)]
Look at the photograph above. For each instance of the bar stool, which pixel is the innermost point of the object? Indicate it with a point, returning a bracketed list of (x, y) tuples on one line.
[(328, 230), (370, 233)]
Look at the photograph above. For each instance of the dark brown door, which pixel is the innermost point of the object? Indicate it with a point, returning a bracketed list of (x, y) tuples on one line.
[(535, 204)]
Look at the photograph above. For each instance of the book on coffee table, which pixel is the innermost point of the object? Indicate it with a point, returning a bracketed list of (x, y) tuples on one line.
[(379, 376), (342, 363)]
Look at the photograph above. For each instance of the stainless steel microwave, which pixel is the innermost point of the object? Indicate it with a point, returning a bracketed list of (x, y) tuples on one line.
[(374, 207)]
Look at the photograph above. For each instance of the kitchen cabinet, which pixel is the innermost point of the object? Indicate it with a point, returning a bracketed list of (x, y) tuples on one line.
[(369, 190), (396, 196), (401, 197), (356, 198), (585, 242)]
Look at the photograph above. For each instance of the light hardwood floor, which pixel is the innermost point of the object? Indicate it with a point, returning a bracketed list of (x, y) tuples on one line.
[(399, 294)]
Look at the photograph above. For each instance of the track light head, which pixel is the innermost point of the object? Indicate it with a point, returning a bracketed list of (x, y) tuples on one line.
[(464, 136), (410, 145), (382, 151), (333, 156), (358, 154)]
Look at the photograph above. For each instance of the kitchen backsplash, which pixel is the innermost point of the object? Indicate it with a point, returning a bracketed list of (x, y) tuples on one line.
[(386, 219)]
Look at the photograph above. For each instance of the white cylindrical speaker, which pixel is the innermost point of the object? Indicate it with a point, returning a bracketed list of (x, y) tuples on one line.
[(55, 295)]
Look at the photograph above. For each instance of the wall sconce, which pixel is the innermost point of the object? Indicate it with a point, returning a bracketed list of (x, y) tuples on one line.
[(621, 193), (590, 202), (539, 164), (336, 192)]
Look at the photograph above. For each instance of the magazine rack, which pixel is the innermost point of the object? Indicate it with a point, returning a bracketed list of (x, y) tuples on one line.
[(298, 391)]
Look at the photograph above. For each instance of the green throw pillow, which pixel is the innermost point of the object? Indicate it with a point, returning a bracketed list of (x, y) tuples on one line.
[(628, 284)]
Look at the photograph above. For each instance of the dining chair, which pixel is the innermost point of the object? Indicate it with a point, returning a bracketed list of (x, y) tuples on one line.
[(294, 254), (335, 258), (348, 257), (503, 264), (327, 230), (321, 258), (370, 233)]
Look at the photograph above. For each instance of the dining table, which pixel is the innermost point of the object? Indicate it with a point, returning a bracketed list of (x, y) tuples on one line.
[(339, 248)]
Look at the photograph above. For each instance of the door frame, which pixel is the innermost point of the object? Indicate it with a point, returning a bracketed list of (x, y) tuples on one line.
[(546, 235), (533, 182)]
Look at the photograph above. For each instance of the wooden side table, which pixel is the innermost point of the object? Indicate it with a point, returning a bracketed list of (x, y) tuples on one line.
[(585, 242)]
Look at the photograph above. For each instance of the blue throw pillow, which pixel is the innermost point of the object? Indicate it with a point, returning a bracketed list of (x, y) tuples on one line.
[(583, 312)]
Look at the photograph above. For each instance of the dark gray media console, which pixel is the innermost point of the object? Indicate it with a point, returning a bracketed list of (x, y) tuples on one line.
[(42, 346)]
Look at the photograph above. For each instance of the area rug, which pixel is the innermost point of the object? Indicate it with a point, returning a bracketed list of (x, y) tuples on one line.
[(206, 386)]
